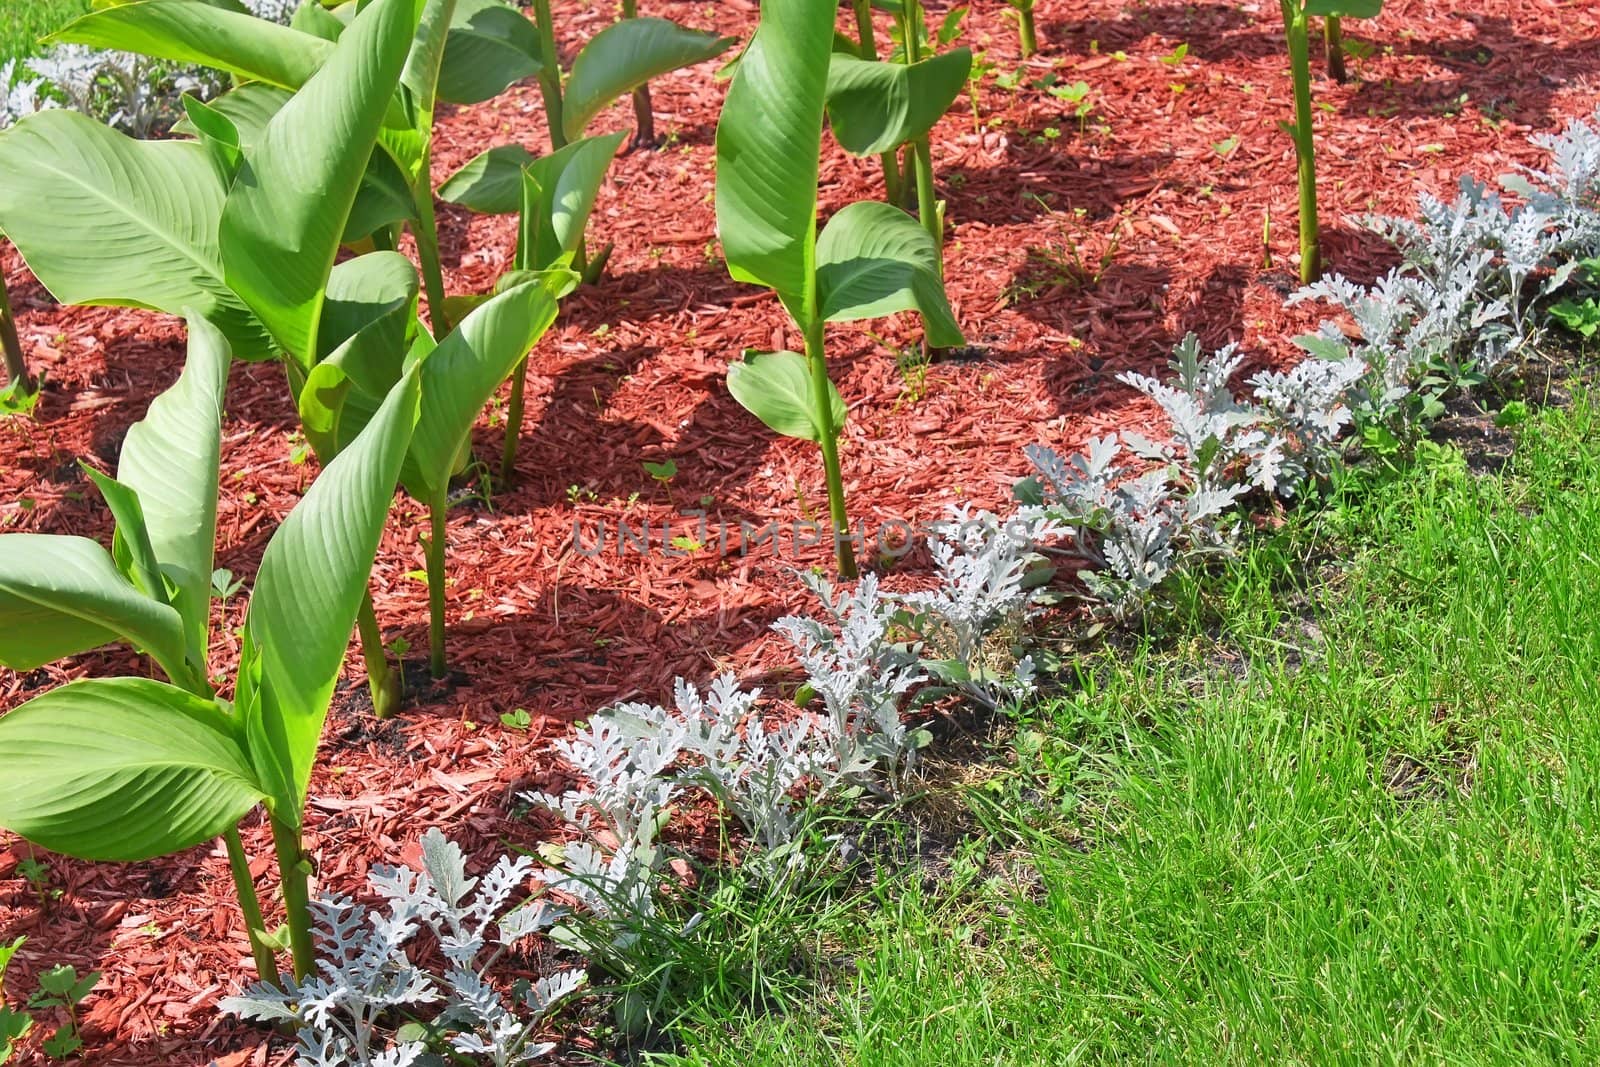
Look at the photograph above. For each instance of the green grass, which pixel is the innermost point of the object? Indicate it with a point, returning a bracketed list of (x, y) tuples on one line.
[(23, 22), (1358, 824)]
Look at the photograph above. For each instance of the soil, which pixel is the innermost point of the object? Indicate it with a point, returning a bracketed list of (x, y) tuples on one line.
[(1077, 250)]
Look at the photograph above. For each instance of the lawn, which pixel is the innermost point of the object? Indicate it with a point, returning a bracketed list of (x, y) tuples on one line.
[(23, 22), (1355, 824)]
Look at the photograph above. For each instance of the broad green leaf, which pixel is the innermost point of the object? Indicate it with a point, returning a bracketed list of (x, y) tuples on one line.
[(311, 17), (489, 183), (196, 33), (421, 73), (775, 387), (131, 550), (122, 769), (217, 133), (460, 375), (170, 458), (1351, 9), (491, 47), (624, 56), (104, 219), (384, 196), (249, 107), (874, 260), (567, 183), (768, 139), (310, 584), (875, 106), (63, 595), (285, 215)]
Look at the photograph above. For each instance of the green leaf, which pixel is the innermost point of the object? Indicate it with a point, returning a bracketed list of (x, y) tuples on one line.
[(624, 56), (199, 34), (217, 133), (249, 108), (876, 106), (63, 595), (768, 140), (122, 769), (311, 17), (491, 46), (460, 375), (103, 219), (775, 387), (307, 590), (384, 196), (170, 458), (421, 73), (131, 550), (285, 215), (1350, 9), (489, 183), (874, 260), (567, 183)]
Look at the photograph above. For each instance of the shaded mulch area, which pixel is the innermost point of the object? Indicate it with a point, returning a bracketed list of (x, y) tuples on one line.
[(1076, 251)]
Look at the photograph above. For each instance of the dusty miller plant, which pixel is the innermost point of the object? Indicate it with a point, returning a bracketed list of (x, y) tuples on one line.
[(348, 1012)]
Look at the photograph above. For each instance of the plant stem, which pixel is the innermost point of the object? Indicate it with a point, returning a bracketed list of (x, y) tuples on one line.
[(822, 398), (514, 410), (1295, 28), (1333, 48), (250, 904), (383, 682), (427, 235), (16, 366), (294, 870), (644, 118), (550, 74), (437, 508), (1027, 33), (927, 199)]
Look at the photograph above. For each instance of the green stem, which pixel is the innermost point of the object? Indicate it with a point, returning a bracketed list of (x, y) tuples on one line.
[(927, 200), (822, 400), (427, 235), (514, 410), (250, 904), (437, 507), (550, 75), (644, 118), (893, 182), (1333, 48), (294, 869), (1295, 27), (1027, 33), (383, 239), (16, 366), (383, 682)]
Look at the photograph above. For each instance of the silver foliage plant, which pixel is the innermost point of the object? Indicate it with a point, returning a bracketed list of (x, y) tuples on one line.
[(347, 1014)]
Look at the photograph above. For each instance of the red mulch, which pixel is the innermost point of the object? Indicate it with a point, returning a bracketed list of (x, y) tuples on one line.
[(635, 370)]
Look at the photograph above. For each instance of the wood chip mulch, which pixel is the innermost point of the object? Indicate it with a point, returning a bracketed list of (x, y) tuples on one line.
[(1076, 251)]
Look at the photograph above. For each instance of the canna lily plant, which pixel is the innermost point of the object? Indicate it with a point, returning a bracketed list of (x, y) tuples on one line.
[(244, 222), (870, 260), (1027, 31), (127, 769), (1297, 15), (620, 59), (20, 385)]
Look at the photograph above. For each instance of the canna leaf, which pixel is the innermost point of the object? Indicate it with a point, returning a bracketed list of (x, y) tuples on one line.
[(310, 584), (122, 769), (875, 106), (285, 215), (624, 56), (460, 375), (873, 259), (1350, 9), (170, 458), (421, 73), (184, 31), (384, 196), (489, 183), (768, 140), (567, 183), (775, 387), (102, 219), (63, 595), (491, 46), (318, 21), (249, 108), (217, 134)]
